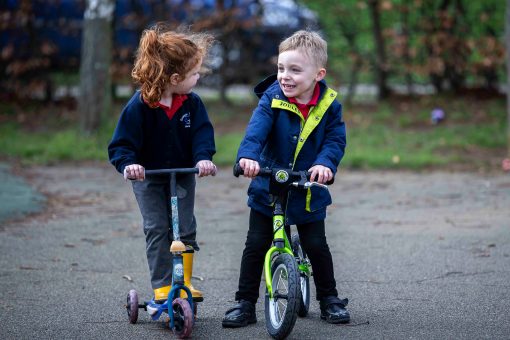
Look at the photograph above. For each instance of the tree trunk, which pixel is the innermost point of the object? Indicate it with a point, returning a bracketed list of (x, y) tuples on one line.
[(223, 71), (350, 36), (95, 98), (353, 79), (507, 39), (407, 56), (381, 62)]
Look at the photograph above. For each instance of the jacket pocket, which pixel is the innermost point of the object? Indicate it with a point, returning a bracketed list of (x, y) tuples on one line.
[(317, 198), (259, 190)]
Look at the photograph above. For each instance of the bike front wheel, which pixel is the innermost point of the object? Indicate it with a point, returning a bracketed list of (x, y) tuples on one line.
[(281, 309), (304, 278)]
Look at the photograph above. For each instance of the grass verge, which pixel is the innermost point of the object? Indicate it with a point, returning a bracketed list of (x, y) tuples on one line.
[(391, 135)]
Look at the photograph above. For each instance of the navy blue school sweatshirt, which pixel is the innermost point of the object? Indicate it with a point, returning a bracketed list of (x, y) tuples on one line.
[(146, 136)]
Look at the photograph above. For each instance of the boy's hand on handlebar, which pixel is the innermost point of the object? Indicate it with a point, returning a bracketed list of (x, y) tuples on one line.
[(320, 174), (134, 172), (206, 168), (250, 167)]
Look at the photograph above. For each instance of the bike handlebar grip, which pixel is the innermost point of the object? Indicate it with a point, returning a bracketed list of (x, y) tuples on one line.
[(331, 181), (237, 170)]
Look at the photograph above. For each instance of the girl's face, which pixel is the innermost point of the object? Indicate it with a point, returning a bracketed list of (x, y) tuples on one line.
[(297, 75), (188, 83)]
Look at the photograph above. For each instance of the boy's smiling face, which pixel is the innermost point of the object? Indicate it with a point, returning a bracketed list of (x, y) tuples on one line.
[(298, 74)]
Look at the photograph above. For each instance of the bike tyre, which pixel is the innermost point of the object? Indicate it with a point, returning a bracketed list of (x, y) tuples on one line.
[(280, 316), (304, 279)]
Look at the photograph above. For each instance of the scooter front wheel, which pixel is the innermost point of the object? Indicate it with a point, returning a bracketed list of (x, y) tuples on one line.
[(281, 309), (183, 318), (132, 306)]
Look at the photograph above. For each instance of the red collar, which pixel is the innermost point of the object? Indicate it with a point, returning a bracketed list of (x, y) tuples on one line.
[(177, 101), (305, 108)]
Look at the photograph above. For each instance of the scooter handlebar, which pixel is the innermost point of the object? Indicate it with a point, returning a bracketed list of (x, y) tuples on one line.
[(169, 171)]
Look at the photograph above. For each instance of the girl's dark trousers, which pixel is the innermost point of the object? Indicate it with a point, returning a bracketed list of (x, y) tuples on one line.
[(258, 241), (153, 197)]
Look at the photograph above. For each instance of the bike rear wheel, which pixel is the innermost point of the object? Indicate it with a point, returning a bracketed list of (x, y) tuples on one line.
[(304, 279), (281, 310)]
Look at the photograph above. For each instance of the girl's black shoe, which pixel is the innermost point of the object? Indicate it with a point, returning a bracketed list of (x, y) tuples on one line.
[(240, 315)]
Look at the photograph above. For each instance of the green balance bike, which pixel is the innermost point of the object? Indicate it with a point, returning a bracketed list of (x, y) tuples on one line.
[(287, 269)]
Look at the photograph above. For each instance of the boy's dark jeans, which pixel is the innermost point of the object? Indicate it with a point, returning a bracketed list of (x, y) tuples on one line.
[(260, 234)]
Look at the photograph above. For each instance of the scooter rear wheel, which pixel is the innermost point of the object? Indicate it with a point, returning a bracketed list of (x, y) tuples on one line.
[(183, 318), (132, 306)]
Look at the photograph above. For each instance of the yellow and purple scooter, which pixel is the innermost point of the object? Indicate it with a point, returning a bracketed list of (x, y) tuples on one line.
[(181, 303)]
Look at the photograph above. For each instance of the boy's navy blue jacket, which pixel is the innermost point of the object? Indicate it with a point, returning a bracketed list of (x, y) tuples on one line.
[(147, 137), (278, 136)]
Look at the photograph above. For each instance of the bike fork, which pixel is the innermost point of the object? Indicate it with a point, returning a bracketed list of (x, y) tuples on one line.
[(280, 245)]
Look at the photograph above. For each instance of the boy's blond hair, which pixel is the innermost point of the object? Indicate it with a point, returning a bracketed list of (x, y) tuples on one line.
[(308, 42)]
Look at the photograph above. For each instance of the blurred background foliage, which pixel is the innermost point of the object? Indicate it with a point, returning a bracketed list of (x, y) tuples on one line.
[(453, 45), (393, 62), (449, 44)]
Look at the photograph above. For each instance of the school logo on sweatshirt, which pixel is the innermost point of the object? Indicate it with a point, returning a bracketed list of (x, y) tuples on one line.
[(186, 119)]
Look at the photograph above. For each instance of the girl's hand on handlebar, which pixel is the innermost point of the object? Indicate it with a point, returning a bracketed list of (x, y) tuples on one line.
[(250, 167), (320, 174), (206, 168), (134, 172)]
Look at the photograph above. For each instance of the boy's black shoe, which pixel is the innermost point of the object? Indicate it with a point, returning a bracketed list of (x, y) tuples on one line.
[(333, 310), (242, 314)]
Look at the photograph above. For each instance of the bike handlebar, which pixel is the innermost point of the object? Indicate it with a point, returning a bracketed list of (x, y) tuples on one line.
[(268, 172)]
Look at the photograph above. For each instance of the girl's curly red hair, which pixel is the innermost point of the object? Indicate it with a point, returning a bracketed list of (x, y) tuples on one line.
[(163, 52)]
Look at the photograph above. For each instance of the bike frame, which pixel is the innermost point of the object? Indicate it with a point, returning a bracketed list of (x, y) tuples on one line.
[(283, 179), (281, 244)]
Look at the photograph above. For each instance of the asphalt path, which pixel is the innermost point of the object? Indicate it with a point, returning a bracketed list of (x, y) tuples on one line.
[(419, 255)]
